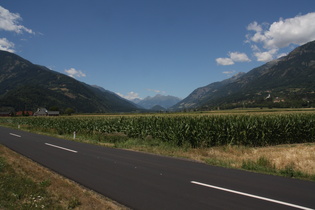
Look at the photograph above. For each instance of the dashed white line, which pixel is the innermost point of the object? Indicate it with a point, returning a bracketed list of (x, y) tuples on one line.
[(250, 195), (13, 134), (63, 148)]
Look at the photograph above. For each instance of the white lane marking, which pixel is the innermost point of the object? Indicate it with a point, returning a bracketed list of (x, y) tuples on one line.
[(250, 195), (70, 150), (13, 134)]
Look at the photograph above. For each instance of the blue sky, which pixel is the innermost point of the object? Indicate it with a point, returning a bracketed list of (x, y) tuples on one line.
[(139, 48)]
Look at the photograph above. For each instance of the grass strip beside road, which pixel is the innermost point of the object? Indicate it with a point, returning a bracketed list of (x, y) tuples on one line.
[(25, 184), (289, 160)]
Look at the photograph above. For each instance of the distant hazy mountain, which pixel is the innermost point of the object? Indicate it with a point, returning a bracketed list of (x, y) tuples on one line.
[(24, 85), (158, 108), (161, 100), (285, 82)]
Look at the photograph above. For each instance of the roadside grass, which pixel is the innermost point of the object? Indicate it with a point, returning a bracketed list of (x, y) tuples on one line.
[(25, 184), (264, 165), (275, 161), (20, 192), (292, 160)]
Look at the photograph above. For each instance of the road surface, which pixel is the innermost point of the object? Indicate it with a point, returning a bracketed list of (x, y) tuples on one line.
[(143, 181)]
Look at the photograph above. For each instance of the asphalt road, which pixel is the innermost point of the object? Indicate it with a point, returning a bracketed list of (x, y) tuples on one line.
[(144, 181)]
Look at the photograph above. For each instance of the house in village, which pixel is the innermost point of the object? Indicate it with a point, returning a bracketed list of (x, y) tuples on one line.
[(6, 114), (24, 113), (45, 112)]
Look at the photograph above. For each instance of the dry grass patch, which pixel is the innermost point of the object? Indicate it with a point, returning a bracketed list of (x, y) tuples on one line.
[(300, 157), (69, 194), (291, 160), (281, 159)]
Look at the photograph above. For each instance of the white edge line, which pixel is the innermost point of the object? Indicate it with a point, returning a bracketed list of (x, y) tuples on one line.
[(13, 134), (250, 195), (70, 150)]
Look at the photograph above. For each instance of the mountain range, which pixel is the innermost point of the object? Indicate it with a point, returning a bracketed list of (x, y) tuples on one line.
[(288, 81), (158, 102), (26, 86)]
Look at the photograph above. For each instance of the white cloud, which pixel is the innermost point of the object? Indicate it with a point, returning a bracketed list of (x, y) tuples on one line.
[(233, 57), (130, 96), (10, 22), (229, 73), (283, 33), (254, 26), (265, 56), (6, 45), (255, 47), (281, 55), (267, 40), (239, 57), (72, 72), (297, 30), (224, 61)]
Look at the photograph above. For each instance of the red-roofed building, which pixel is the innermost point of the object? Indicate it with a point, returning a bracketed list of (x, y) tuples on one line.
[(24, 113)]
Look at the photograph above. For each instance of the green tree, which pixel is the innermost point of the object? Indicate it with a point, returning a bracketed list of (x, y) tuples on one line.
[(69, 111), (54, 108)]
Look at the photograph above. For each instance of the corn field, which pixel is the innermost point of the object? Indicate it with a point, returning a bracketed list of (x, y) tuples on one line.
[(188, 130)]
